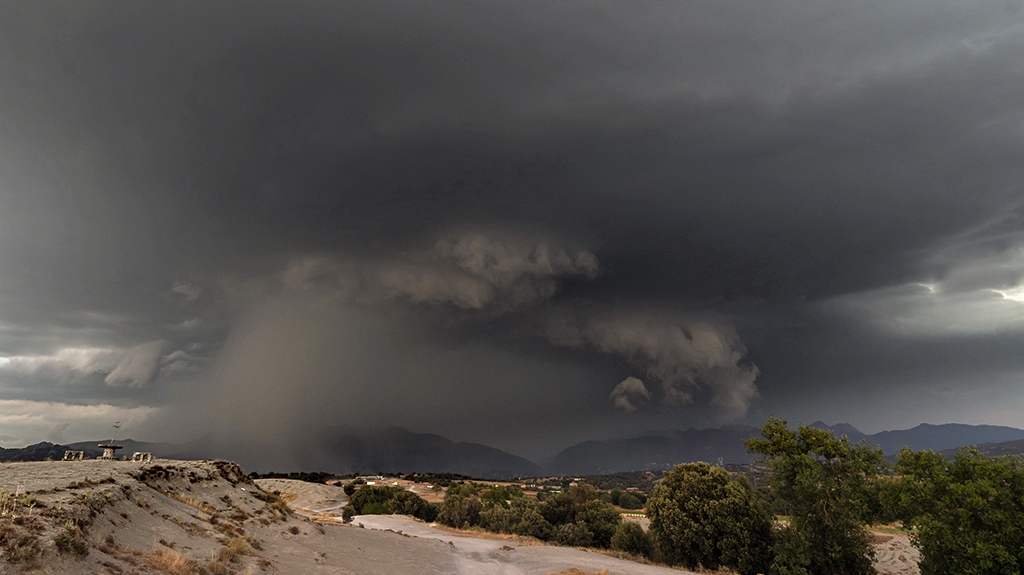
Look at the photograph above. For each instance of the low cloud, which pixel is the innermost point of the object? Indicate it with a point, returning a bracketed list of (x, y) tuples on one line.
[(122, 367), (186, 290), (685, 355), (24, 422), (976, 287), (64, 366), (626, 388), (138, 365), (473, 272)]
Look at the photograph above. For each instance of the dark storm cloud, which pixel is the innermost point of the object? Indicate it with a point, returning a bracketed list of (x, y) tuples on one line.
[(196, 200)]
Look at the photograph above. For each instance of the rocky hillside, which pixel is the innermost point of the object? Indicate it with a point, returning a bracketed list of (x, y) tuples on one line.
[(180, 517)]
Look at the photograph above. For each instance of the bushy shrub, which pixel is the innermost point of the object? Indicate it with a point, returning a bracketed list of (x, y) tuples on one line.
[(632, 539), (390, 500), (575, 534), (630, 501), (701, 517), (459, 510), (71, 540), (592, 521), (969, 512), (532, 524)]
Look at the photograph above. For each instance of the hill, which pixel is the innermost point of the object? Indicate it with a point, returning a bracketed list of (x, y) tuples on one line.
[(660, 450), (37, 452), (338, 450), (999, 449), (663, 449), (208, 518), (395, 449)]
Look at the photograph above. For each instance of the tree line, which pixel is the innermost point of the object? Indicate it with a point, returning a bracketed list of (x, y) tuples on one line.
[(967, 514)]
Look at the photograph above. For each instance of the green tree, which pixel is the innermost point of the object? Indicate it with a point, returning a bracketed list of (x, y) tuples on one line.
[(532, 524), (459, 509), (498, 519), (390, 500), (497, 496), (601, 519), (829, 485), (632, 538), (591, 521), (558, 509), (702, 517), (629, 501), (575, 534), (615, 495), (969, 512)]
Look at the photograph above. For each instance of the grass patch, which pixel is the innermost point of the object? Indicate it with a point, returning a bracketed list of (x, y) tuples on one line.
[(191, 502), (172, 562), (71, 540)]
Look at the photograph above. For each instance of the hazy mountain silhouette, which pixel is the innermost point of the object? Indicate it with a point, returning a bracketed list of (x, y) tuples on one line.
[(37, 452), (1015, 447), (336, 450), (663, 449)]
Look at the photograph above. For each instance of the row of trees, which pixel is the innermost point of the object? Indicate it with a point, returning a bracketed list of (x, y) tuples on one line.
[(581, 517), (388, 500), (578, 517), (968, 513)]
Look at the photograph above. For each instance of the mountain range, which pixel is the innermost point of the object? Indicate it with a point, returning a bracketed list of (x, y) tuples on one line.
[(665, 448), (349, 450)]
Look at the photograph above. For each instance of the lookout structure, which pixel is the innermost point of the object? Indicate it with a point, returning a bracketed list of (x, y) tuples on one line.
[(110, 449)]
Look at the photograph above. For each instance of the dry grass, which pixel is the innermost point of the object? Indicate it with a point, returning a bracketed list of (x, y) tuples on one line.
[(241, 545), (205, 508), (575, 571), (480, 533), (172, 562)]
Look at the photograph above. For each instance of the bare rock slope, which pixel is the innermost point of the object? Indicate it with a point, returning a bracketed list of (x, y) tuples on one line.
[(181, 517)]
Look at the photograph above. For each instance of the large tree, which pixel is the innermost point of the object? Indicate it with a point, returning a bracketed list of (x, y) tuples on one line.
[(829, 484), (700, 517), (969, 512)]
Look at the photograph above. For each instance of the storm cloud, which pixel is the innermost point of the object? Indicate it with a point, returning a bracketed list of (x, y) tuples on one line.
[(395, 214), (684, 354)]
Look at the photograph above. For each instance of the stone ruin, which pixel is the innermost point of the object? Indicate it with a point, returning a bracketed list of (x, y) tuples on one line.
[(142, 456), (109, 451), (73, 455)]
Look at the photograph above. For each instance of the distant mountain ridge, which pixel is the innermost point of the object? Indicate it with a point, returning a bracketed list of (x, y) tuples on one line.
[(346, 450), (36, 452), (45, 450), (1015, 447), (397, 449), (336, 450), (663, 449)]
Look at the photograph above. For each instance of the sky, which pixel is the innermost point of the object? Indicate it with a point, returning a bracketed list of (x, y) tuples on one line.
[(524, 224)]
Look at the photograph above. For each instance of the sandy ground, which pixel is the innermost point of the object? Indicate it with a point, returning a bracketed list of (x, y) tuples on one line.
[(895, 555), (313, 500), (473, 555)]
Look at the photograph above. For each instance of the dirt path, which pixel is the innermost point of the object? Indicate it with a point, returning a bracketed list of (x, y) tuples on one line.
[(497, 557)]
